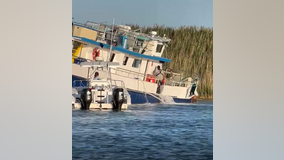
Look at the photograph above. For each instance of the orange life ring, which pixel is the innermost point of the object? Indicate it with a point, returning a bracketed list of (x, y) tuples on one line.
[(96, 53)]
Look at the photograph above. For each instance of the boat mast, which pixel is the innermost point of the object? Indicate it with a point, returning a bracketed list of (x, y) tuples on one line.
[(111, 39), (110, 49)]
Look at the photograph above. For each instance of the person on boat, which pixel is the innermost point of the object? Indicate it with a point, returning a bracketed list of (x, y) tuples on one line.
[(158, 73), (96, 77), (161, 85)]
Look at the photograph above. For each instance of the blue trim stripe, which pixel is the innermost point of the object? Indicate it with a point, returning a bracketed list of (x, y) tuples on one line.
[(120, 49)]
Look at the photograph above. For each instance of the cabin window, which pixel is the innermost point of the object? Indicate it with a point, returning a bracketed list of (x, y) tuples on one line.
[(159, 48), (139, 42), (136, 63), (108, 36), (112, 57), (125, 60), (119, 40)]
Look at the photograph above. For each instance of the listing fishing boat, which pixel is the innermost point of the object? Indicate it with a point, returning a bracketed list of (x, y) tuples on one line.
[(139, 55)]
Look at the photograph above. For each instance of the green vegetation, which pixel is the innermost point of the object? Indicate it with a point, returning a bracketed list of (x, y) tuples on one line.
[(191, 52)]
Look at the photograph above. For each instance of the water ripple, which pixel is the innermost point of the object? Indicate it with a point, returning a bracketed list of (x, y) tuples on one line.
[(144, 132)]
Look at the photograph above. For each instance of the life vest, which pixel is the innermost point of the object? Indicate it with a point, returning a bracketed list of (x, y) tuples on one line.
[(96, 53)]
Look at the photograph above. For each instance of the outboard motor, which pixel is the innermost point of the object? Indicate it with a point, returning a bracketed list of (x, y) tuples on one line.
[(118, 99), (86, 96)]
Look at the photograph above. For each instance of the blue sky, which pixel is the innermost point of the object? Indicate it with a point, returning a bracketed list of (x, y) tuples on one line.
[(172, 13)]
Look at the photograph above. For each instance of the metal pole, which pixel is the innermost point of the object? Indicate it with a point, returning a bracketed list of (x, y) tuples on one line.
[(110, 52), (111, 39)]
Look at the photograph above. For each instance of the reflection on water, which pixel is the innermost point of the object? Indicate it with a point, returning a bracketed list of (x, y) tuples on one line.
[(144, 132)]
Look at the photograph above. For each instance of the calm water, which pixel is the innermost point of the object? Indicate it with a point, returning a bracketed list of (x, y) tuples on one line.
[(144, 132)]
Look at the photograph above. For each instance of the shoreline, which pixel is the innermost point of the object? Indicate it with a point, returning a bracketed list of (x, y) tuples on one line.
[(201, 98)]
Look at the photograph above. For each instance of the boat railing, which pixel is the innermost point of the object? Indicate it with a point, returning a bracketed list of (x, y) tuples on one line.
[(90, 25), (78, 24), (79, 83), (135, 75), (83, 25), (143, 77), (84, 83), (128, 73), (78, 59), (118, 83), (170, 82)]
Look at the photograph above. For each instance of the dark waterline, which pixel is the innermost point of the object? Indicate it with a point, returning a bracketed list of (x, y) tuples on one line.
[(144, 132)]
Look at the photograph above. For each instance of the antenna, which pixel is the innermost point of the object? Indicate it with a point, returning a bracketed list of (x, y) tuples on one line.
[(110, 48)]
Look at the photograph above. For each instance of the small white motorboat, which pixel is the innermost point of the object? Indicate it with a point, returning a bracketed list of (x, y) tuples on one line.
[(100, 94)]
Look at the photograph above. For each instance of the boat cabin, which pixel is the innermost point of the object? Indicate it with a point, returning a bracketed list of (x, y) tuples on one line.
[(134, 51)]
